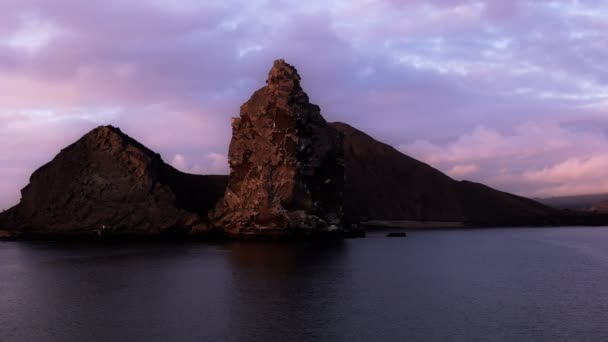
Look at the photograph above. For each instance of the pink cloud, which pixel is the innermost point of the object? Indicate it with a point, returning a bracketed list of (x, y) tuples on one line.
[(462, 170), (535, 159), (570, 177), (214, 164)]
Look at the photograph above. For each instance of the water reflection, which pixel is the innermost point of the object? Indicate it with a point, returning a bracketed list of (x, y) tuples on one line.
[(92, 292), (285, 291), (508, 285)]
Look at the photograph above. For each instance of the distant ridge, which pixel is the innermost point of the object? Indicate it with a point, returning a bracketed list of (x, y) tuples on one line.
[(576, 202)]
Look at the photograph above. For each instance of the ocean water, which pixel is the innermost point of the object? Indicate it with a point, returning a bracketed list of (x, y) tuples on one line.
[(536, 284)]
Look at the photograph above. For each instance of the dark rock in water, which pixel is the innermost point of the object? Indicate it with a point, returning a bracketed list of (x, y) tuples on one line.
[(396, 234), (286, 165), (384, 184), (109, 184)]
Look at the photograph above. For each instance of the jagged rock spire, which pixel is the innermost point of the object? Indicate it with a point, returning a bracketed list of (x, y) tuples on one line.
[(287, 173), (283, 77)]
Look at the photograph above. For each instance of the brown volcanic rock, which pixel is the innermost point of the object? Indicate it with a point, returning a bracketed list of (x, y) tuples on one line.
[(109, 184), (384, 184), (286, 164)]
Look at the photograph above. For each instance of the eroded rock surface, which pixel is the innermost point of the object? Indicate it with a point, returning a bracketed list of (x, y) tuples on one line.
[(286, 164), (107, 183)]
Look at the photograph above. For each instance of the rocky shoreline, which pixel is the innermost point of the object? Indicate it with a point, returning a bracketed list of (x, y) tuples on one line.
[(218, 236)]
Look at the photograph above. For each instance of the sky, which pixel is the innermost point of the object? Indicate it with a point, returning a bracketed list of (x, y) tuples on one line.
[(513, 94)]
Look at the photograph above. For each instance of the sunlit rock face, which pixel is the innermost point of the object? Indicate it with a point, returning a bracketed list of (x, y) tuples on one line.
[(108, 184), (286, 165)]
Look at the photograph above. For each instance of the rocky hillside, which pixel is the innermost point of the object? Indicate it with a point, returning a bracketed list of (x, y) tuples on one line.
[(286, 165), (107, 183), (384, 184)]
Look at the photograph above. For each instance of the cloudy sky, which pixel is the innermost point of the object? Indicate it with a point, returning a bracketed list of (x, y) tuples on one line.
[(510, 93)]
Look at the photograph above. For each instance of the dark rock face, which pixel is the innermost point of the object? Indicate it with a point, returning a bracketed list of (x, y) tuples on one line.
[(384, 184), (286, 164), (109, 184)]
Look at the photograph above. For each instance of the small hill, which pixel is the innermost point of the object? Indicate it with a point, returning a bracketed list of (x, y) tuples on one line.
[(108, 183)]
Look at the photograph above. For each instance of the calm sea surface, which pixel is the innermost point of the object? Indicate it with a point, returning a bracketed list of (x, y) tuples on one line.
[(467, 285)]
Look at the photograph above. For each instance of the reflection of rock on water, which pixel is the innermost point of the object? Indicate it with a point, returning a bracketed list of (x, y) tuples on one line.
[(280, 257), (288, 286)]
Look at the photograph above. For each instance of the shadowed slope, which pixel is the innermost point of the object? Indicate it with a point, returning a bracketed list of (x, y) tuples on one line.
[(384, 184), (110, 184)]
